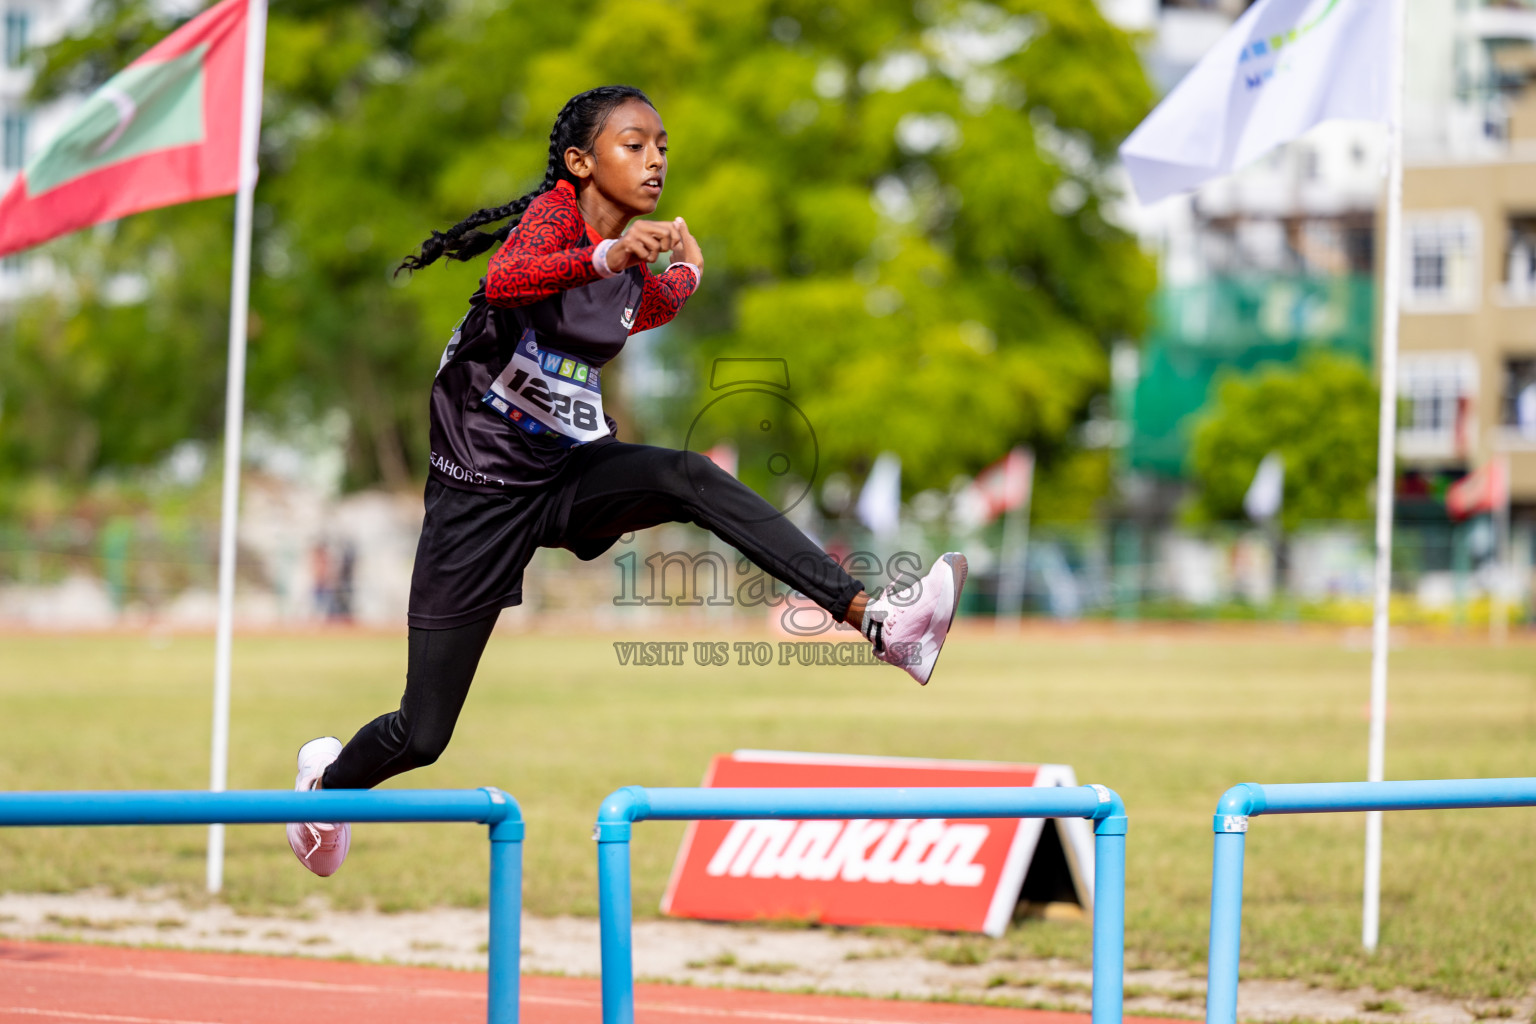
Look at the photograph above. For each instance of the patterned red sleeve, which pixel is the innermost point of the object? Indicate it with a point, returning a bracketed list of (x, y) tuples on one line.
[(663, 296), (544, 255)]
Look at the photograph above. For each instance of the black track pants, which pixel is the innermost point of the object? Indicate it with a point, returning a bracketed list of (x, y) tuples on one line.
[(626, 487), (441, 666), (621, 488)]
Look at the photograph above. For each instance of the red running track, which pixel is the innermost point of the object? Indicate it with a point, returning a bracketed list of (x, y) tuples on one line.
[(49, 983)]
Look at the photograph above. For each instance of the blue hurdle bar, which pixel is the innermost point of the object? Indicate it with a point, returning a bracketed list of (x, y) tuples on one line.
[(488, 806), (635, 803), (1244, 801)]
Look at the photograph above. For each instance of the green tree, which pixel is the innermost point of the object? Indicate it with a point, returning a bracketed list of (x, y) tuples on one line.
[(940, 275), (112, 371), (127, 357), (908, 203), (1319, 414)]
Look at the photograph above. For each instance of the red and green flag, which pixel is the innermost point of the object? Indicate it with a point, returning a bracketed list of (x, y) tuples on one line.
[(164, 130)]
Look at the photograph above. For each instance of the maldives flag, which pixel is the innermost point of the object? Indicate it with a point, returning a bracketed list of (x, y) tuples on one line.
[(164, 130)]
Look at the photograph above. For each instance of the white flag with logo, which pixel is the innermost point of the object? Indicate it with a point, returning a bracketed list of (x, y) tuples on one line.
[(1267, 491), (1283, 67), (879, 505)]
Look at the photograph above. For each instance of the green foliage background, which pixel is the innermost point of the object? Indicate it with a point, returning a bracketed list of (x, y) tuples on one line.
[(1320, 415), (906, 202)]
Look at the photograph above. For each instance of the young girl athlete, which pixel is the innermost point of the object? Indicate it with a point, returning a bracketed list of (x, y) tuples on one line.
[(523, 457)]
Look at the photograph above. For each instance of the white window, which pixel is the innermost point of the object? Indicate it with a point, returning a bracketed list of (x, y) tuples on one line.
[(1518, 412), (1441, 265), (1320, 244), (1520, 258), (1437, 393), (16, 24), (13, 142)]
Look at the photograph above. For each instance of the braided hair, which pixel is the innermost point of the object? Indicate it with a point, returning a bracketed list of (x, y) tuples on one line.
[(578, 124)]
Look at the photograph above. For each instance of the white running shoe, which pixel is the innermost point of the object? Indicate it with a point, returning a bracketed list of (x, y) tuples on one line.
[(320, 846), (908, 626)]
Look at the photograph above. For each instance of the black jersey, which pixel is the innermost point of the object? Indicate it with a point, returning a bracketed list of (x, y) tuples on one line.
[(519, 384)]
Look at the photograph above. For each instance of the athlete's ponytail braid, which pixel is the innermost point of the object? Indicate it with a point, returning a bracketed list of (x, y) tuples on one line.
[(578, 124)]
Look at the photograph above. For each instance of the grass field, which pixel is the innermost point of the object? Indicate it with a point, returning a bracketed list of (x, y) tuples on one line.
[(1168, 718)]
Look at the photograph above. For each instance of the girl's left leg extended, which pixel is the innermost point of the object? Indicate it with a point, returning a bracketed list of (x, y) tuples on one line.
[(625, 487)]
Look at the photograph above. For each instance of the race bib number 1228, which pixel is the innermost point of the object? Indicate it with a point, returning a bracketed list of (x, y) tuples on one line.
[(544, 391)]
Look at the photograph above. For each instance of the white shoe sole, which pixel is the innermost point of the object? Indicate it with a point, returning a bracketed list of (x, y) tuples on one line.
[(325, 863), (958, 570), (306, 845)]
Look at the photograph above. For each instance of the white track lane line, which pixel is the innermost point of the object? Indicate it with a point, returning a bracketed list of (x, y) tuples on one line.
[(721, 1011), (436, 993), (692, 1011), (799, 1018), (221, 979), (107, 1018)]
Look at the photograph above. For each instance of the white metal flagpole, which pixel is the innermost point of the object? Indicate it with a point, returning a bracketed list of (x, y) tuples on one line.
[(1386, 473), (234, 414), (1015, 546), (1504, 569)]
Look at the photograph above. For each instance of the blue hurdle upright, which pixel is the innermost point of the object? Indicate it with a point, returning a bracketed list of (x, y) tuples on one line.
[(1244, 801), (488, 806), (626, 806)]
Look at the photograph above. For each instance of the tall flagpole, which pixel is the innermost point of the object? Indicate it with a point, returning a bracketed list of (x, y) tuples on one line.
[(1504, 569), (1015, 546), (234, 415), (1386, 473)]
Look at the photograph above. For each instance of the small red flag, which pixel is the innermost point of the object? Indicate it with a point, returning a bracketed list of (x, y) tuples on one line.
[(164, 130), (1484, 490), (1005, 484), (724, 456)]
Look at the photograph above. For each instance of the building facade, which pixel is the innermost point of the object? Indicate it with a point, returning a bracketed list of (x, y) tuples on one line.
[(1260, 266), (1467, 369), (1282, 255)]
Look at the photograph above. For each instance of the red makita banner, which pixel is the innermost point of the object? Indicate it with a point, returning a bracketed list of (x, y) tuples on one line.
[(953, 874)]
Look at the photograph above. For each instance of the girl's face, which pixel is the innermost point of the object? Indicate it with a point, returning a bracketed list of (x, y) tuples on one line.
[(628, 160)]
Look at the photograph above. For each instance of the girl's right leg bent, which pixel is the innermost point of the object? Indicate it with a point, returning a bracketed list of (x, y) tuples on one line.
[(469, 565), (440, 669)]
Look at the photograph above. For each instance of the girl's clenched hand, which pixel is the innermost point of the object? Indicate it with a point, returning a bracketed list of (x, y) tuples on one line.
[(686, 250), (643, 243)]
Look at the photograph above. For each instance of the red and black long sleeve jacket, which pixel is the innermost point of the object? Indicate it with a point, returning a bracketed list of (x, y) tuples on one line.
[(543, 279)]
